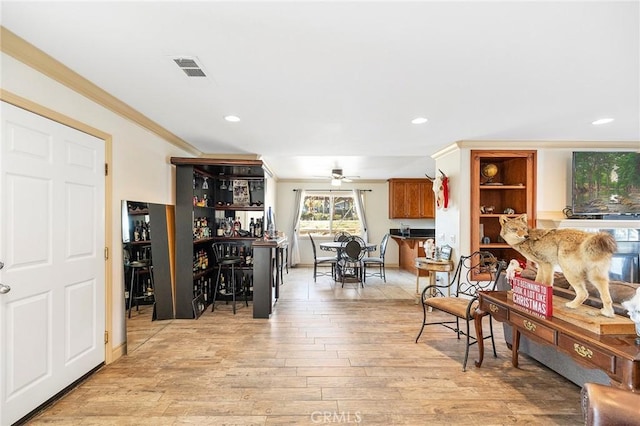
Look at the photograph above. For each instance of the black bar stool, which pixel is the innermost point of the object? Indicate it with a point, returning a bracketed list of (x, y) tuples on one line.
[(137, 289), (226, 255)]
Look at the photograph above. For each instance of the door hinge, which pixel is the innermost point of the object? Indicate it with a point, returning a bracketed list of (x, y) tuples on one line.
[(106, 337), (106, 169), (106, 253)]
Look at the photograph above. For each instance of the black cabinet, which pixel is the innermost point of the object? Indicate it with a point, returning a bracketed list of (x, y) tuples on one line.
[(216, 201)]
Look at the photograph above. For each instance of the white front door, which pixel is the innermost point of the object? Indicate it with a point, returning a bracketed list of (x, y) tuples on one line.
[(52, 320)]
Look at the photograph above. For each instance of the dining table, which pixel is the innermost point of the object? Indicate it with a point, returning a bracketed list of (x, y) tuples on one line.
[(338, 246)]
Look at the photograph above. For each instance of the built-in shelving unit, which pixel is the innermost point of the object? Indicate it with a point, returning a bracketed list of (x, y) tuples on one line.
[(212, 197), (511, 191)]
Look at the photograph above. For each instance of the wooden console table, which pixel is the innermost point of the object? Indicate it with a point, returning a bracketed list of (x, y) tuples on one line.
[(615, 354)]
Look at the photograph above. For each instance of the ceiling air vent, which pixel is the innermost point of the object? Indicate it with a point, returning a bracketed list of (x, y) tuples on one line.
[(190, 67)]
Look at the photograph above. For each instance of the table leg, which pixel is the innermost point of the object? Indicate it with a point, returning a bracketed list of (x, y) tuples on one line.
[(515, 344), (479, 335)]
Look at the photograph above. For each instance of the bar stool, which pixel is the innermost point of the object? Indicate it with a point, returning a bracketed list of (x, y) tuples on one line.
[(137, 290), (283, 260), (226, 259)]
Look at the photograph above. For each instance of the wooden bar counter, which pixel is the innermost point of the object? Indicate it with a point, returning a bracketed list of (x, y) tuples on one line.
[(266, 279)]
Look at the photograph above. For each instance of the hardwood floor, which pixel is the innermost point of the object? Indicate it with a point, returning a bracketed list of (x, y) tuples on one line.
[(327, 355)]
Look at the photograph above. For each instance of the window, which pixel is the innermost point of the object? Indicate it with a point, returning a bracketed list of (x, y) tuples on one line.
[(329, 213)]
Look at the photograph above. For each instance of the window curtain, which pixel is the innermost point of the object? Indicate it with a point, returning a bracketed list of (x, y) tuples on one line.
[(357, 196), (294, 246)]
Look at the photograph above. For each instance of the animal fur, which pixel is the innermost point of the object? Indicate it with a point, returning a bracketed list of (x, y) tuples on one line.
[(582, 256)]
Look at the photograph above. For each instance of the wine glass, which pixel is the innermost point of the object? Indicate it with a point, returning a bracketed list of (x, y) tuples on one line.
[(223, 185), (205, 184)]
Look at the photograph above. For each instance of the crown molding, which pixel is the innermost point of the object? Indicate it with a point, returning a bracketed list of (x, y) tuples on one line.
[(23, 51), (526, 144)]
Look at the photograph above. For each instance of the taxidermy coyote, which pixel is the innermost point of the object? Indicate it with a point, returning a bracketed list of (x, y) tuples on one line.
[(583, 256)]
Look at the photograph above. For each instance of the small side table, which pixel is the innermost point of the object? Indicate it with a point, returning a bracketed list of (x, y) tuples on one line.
[(432, 266)]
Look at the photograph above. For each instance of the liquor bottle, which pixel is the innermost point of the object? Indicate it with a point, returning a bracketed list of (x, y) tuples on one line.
[(270, 224), (136, 231), (220, 231), (249, 258), (252, 228), (143, 234), (236, 227)]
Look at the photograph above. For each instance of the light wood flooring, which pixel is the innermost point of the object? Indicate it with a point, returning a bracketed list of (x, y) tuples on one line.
[(327, 356)]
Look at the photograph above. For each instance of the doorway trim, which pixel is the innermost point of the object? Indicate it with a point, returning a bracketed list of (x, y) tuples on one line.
[(45, 112)]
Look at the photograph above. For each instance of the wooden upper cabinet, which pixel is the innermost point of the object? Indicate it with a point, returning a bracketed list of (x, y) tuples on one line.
[(411, 199), (427, 200)]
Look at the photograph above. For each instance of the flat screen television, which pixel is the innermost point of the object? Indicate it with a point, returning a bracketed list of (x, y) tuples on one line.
[(605, 183)]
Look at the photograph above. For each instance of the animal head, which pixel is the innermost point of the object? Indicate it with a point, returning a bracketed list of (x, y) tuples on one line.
[(438, 189), (514, 231)]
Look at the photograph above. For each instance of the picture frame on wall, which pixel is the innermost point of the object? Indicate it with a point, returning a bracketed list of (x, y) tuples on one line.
[(241, 192)]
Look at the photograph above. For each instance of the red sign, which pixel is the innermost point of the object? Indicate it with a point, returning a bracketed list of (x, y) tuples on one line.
[(532, 295)]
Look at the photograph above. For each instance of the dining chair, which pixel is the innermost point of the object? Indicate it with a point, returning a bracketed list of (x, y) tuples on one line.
[(376, 262), (321, 261), (341, 236), (462, 305), (350, 262)]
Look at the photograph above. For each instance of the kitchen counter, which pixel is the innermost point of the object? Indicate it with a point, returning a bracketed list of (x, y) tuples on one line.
[(410, 247)]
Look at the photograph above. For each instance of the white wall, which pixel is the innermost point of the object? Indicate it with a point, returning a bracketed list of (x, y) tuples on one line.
[(454, 223), (553, 186), (140, 166), (376, 207)]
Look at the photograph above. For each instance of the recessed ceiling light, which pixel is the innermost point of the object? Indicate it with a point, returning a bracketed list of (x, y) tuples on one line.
[(419, 120), (232, 118), (602, 121)]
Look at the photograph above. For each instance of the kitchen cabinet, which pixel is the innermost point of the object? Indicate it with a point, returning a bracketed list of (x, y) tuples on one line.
[(411, 199), (216, 200), (511, 191)]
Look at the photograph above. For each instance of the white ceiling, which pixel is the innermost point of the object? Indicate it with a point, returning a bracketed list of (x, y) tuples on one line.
[(319, 85)]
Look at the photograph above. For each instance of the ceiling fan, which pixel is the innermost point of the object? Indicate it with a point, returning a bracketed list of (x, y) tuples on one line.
[(337, 177)]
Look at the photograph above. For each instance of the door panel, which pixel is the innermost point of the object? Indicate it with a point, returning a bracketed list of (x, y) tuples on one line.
[(29, 356), (51, 242)]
